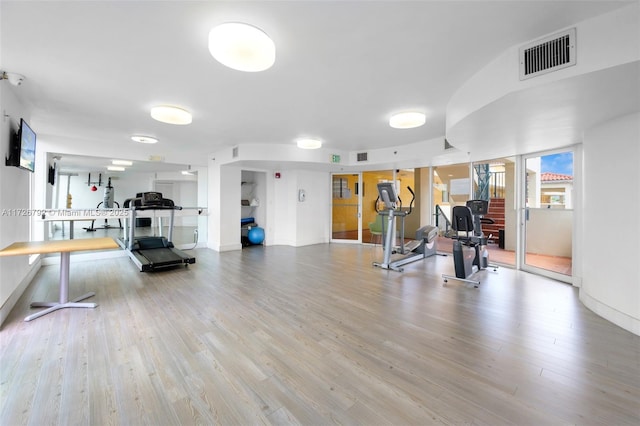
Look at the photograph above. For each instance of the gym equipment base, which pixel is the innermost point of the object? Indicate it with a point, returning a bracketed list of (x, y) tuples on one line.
[(54, 306)]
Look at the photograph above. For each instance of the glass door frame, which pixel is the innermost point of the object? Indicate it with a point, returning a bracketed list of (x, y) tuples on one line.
[(521, 176), (359, 209)]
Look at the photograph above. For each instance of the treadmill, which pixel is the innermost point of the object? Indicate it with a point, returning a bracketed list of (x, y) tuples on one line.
[(152, 253)]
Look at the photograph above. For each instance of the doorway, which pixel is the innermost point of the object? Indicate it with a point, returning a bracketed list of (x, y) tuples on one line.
[(547, 214), (451, 187), (494, 181), (346, 223)]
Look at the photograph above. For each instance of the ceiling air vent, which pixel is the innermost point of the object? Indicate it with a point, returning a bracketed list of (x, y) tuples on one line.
[(362, 156), (548, 54)]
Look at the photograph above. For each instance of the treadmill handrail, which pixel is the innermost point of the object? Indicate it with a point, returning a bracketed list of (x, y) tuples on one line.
[(155, 207)]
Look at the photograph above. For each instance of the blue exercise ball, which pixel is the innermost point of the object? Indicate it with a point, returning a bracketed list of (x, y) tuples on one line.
[(256, 235)]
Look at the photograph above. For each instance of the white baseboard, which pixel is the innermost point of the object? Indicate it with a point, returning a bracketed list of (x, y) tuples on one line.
[(620, 319), (228, 247), (5, 310), (190, 246)]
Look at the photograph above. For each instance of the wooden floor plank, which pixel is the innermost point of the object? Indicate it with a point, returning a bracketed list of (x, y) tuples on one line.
[(313, 335)]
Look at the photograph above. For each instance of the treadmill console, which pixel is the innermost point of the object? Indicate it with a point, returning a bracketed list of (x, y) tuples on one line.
[(149, 200), (478, 207)]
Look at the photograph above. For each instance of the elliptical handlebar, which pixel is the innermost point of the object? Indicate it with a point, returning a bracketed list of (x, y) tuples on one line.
[(413, 198), (399, 206)]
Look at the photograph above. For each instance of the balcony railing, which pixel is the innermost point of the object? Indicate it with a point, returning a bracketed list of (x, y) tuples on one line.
[(442, 221)]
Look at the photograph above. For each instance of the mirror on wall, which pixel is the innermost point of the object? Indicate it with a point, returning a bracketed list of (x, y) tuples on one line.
[(85, 183)]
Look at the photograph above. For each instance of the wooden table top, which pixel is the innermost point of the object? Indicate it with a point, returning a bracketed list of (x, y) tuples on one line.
[(58, 246)]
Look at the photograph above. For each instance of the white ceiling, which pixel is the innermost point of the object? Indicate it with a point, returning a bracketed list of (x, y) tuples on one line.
[(94, 69)]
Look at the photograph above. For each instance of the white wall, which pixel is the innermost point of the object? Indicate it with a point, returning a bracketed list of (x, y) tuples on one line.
[(285, 219), (281, 214), (224, 206), (549, 232), (604, 41), (203, 201), (15, 272), (312, 214), (184, 193), (293, 222), (610, 263)]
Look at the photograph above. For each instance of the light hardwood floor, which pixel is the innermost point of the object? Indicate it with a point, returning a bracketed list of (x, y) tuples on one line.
[(313, 335)]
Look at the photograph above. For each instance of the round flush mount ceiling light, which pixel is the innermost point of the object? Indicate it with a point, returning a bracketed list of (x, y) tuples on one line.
[(144, 139), (407, 120), (171, 114), (242, 47), (309, 143)]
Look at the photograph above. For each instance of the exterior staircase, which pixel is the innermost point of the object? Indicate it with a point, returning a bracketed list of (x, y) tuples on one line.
[(496, 212)]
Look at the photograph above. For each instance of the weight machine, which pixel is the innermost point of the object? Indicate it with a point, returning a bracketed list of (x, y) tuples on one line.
[(470, 253), (107, 203)]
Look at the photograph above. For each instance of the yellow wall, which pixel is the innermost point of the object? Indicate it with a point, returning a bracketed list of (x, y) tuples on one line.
[(345, 210), (371, 180)]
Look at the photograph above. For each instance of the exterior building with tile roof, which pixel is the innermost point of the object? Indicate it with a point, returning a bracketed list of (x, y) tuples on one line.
[(556, 190), (555, 177)]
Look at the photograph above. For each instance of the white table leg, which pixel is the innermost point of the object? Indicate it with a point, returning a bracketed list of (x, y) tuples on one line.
[(64, 293)]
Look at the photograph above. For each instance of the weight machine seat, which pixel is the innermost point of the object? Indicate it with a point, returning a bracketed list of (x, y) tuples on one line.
[(462, 224)]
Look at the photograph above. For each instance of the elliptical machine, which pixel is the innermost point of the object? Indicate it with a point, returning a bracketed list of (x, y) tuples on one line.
[(424, 244), (470, 253)]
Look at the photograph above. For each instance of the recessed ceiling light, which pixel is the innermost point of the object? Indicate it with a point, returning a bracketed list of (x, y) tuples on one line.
[(122, 163), (116, 168), (242, 47), (143, 139), (407, 120), (309, 143), (171, 114)]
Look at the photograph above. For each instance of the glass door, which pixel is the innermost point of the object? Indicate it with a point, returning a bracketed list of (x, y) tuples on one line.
[(346, 223), (451, 187), (547, 216), (494, 181)]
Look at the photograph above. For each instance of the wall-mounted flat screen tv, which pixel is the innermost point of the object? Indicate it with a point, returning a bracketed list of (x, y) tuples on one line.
[(27, 138), (22, 150)]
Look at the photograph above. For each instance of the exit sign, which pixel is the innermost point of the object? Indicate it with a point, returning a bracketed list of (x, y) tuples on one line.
[(335, 158)]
